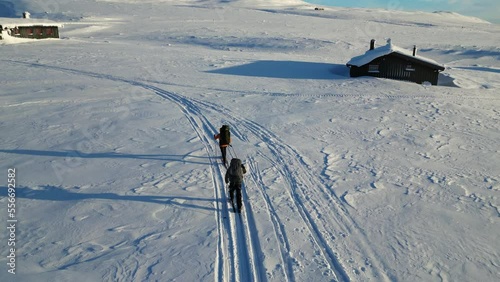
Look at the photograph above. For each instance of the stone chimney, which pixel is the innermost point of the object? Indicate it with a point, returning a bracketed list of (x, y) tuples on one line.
[(372, 44), (414, 50)]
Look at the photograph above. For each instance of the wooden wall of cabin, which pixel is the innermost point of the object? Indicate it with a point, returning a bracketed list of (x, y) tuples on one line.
[(37, 32), (395, 67)]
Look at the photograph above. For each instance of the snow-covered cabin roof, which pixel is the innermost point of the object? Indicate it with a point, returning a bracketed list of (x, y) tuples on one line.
[(378, 52), (17, 22)]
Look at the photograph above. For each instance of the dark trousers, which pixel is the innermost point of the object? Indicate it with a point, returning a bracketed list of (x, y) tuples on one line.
[(236, 187), (223, 151)]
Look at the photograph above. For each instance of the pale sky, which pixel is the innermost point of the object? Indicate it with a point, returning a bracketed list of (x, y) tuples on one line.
[(485, 9)]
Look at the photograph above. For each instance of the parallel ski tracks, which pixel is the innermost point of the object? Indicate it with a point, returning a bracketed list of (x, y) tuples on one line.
[(238, 247), (235, 260), (291, 166), (303, 183), (281, 236), (232, 257)]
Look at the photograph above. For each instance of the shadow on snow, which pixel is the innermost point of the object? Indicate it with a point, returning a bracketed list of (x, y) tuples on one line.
[(109, 155), (288, 70), (53, 193)]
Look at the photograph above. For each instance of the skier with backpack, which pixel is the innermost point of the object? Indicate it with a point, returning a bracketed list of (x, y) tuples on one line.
[(234, 177), (224, 137)]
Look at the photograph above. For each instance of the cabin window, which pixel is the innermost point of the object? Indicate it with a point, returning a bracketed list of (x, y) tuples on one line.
[(29, 31), (48, 31), (373, 68), (409, 68)]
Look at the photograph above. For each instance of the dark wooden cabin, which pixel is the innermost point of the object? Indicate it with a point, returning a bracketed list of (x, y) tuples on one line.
[(28, 28), (393, 62)]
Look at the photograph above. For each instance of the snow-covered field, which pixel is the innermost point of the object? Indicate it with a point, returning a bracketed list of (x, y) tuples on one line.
[(118, 178)]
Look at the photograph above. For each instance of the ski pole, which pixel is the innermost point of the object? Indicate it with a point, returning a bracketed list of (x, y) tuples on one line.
[(234, 152), (231, 154)]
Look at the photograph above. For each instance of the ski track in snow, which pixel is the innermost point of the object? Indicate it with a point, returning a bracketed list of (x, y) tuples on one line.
[(280, 233), (236, 251), (238, 248), (239, 252), (234, 261), (301, 182), (292, 167), (309, 225)]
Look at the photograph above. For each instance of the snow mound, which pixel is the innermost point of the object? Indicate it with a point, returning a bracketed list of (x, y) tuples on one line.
[(460, 17)]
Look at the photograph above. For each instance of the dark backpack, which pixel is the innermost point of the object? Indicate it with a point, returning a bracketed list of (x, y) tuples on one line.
[(235, 171), (225, 135)]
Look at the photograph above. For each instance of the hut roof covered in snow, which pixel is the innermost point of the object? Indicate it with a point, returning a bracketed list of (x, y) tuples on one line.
[(19, 22), (387, 49)]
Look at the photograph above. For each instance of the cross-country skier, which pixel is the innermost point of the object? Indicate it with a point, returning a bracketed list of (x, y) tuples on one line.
[(234, 176), (224, 137)]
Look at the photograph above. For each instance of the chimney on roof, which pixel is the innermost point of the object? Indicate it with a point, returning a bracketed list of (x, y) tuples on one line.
[(26, 15), (372, 44), (414, 50)]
